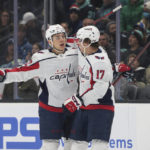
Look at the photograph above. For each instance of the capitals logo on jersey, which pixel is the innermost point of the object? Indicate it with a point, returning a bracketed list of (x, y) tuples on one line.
[(64, 74)]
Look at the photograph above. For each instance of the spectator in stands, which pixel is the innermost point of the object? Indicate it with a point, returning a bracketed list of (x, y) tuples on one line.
[(74, 20), (65, 25), (6, 26), (110, 49), (131, 14), (111, 31), (130, 87), (135, 43), (9, 55), (86, 9), (138, 70), (144, 93), (33, 27), (24, 46), (36, 47), (7, 60), (147, 7), (6, 29), (146, 21), (141, 26), (87, 22), (140, 80), (108, 6)]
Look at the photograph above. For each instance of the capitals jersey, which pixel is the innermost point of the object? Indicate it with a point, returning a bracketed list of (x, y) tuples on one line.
[(95, 76), (57, 75)]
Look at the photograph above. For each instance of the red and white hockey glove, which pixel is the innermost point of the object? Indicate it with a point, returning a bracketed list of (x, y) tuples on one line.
[(2, 75), (72, 104), (118, 67)]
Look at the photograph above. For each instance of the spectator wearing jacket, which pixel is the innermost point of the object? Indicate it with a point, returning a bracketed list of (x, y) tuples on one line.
[(131, 14)]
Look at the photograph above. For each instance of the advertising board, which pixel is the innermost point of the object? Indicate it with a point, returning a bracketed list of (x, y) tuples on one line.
[(19, 127)]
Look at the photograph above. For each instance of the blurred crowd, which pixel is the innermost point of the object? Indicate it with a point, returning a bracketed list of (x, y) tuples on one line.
[(72, 15)]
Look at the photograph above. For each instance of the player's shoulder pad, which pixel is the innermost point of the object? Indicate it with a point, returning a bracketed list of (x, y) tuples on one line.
[(42, 54)]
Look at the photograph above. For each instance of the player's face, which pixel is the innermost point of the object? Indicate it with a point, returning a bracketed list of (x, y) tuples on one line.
[(59, 41)]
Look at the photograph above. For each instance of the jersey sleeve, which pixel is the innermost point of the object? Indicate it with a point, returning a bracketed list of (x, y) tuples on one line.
[(24, 72)]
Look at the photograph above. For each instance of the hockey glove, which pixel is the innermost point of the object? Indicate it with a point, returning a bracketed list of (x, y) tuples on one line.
[(72, 104), (2, 75), (118, 67)]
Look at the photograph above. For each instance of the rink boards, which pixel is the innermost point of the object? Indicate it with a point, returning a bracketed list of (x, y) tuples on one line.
[(19, 128)]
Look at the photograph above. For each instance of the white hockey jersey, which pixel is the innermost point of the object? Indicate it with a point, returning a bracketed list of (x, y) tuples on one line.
[(96, 75), (57, 75)]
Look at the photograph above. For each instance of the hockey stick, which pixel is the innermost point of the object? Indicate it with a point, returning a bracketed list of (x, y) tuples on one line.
[(136, 58), (113, 11)]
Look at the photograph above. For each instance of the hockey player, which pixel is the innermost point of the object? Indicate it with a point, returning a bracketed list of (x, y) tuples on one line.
[(95, 99), (56, 69)]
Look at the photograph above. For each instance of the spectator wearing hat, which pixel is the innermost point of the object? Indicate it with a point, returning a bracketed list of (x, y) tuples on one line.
[(74, 20), (33, 27), (86, 9), (147, 7), (146, 21), (141, 26), (135, 42)]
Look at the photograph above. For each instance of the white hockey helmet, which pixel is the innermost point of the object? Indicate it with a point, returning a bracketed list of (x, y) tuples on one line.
[(90, 32), (54, 29)]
